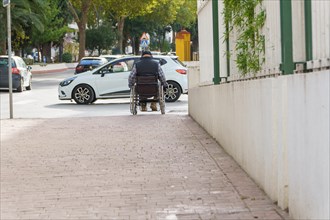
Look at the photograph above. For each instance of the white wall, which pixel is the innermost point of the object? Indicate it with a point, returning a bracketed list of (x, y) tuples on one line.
[(321, 29), (308, 145), (277, 129)]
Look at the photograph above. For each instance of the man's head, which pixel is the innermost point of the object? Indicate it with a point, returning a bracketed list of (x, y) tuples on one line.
[(146, 53)]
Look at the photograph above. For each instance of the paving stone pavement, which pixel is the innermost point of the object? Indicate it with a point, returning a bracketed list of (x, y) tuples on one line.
[(162, 167)]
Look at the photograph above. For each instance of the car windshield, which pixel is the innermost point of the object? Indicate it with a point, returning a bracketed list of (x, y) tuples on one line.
[(90, 62)]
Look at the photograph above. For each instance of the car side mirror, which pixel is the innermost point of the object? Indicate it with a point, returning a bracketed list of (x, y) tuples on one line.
[(29, 68), (102, 72)]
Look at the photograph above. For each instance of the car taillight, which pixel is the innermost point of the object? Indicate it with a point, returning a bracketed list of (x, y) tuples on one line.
[(15, 70), (79, 68), (182, 71)]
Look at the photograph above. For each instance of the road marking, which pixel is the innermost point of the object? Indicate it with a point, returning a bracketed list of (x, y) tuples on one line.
[(24, 102)]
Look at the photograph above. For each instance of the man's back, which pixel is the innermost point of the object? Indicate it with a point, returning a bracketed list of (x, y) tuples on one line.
[(146, 66)]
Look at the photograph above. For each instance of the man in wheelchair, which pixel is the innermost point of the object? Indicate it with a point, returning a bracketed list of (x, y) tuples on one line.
[(144, 72)]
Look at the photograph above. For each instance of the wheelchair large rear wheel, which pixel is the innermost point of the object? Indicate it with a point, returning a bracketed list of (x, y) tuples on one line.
[(133, 105), (162, 100)]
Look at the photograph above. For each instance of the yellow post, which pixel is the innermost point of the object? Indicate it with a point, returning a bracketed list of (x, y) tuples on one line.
[(182, 45)]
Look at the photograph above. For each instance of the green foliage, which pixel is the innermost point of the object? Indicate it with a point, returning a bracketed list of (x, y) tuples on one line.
[(67, 57), (166, 16), (186, 15), (24, 14), (28, 61), (54, 26), (246, 18), (100, 38)]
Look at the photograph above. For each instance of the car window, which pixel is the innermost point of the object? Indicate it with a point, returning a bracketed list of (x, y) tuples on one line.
[(21, 63), (91, 62), (178, 61), (130, 63), (161, 61), (119, 67), (113, 68), (4, 62), (123, 65)]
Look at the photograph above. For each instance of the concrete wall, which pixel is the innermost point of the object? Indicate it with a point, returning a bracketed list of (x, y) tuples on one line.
[(277, 129)]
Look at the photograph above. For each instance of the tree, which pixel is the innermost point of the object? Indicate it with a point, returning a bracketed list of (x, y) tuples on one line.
[(166, 16), (80, 10), (187, 19), (128, 9), (186, 15), (100, 38), (26, 13), (54, 31)]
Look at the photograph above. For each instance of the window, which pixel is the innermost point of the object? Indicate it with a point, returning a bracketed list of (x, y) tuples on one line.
[(120, 67), (161, 61), (91, 62), (4, 61), (129, 64)]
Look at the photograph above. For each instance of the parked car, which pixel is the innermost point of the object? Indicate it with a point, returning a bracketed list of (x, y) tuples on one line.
[(21, 74), (111, 57), (89, 63), (111, 81)]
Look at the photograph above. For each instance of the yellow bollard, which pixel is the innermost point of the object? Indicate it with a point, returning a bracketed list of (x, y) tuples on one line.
[(182, 45)]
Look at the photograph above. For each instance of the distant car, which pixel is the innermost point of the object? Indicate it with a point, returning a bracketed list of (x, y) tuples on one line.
[(111, 81), (111, 57), (89, 63), (21, 74)]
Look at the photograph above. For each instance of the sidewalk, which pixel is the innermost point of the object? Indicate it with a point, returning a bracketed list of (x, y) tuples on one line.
[(52, 67), (126, 167)]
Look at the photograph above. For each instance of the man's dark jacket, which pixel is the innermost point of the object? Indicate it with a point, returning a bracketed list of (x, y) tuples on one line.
[(147, 66)]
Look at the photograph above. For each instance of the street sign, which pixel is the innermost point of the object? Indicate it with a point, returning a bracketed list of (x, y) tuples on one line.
[(144, 36), (144, 43), (5, 3), (144, 40)]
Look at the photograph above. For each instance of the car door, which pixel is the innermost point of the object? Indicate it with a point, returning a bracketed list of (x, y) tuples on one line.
[(113, 80)]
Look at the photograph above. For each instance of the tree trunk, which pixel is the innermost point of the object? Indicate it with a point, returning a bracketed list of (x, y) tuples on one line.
[(121, 23), (81, 22), (46, 52), (60, 52), (38, 52), (3, 47), (3, 34), (82, 39), (136, 45)]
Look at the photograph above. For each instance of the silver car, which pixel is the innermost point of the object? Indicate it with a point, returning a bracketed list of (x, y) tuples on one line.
[(21, 74)]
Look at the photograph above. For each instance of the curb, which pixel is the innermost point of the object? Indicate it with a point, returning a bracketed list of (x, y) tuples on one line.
[(50, 71), (51, 68)]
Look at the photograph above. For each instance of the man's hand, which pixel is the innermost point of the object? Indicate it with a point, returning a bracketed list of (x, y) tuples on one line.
[(165, 86)]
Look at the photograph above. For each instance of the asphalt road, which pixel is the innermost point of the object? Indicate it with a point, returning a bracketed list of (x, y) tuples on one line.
[(42, 102)]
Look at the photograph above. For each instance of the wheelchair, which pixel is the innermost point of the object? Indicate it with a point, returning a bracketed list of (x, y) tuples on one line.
[(146, 89)]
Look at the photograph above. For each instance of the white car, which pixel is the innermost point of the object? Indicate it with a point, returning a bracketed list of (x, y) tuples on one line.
[(111, 81)]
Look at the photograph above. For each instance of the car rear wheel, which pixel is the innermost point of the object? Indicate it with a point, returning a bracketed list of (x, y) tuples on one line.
[(172, 92), (83, 94), (29, 87), (21, 86)]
